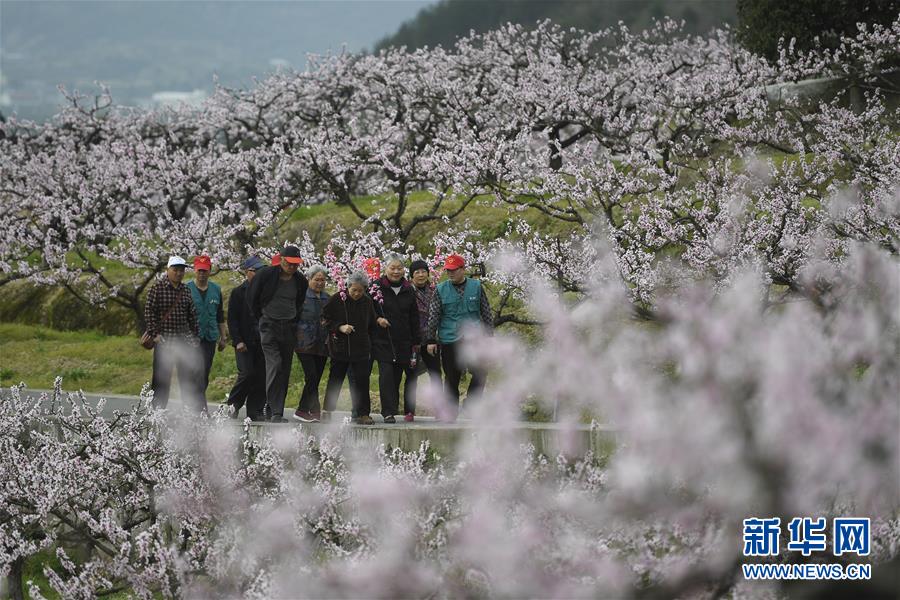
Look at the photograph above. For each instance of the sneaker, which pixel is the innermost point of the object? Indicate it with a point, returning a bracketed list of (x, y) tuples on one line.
[(267, 412), (325, 416), (364, 420), (278, 419), (409, 418), (305, 417), (390, 419)]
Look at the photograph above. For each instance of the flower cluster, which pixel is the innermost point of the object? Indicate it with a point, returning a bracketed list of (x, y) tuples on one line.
[(722, 410), (677, 148)]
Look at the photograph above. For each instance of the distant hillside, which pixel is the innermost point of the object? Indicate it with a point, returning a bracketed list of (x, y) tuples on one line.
[(142, 47), (444, 22)]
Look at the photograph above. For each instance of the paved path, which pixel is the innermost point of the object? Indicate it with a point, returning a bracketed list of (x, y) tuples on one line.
[(122, 403), (444, 438)]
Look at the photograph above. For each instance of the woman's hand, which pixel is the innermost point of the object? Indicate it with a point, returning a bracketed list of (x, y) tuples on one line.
[(383, 322), (347, 329)]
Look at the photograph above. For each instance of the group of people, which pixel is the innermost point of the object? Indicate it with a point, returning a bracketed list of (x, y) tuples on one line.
[(405, 324)]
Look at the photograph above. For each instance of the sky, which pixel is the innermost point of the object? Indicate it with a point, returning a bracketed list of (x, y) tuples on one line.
[(146, 49)]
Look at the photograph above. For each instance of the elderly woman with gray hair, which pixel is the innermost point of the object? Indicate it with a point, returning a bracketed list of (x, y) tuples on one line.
[(351, 321), (311, 349), (395, 346)]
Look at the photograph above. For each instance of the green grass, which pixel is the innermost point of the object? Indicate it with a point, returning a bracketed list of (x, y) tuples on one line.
[(94, 362), (33, 570)]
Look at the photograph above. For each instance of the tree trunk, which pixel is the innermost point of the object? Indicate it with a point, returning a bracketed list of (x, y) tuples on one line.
[(14, 579)]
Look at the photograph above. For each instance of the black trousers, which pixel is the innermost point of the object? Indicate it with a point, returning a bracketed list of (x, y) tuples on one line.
[(389, 375), (453, 372), (278, 340), (359, 385), (313, 369), (188, 360), (250, 386), (432, 365), (208, 349)]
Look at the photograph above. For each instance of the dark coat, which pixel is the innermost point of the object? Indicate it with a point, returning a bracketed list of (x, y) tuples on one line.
[(311, 333), (395, 343), (242, 325), (359, 313), (264, 285)]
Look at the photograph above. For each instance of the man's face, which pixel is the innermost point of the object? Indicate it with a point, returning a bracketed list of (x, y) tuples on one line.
[(395, 272), (288, 268), (250, 274), (356, 291), (175, 274), (457, 275), (201, 276), (420, 277)]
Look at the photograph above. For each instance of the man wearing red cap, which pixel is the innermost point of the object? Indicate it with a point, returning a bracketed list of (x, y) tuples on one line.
[(207, 298), (457, 302), (276, 298)]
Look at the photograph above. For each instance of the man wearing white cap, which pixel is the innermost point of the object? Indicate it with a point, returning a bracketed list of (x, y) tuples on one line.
[(172, 323)]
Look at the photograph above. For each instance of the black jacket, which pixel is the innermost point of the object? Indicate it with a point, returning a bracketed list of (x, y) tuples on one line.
[(359, 313), (263, 286), (242, 325), (395, 343)]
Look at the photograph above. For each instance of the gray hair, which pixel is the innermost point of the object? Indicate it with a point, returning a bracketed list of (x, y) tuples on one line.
[(391, 257), (314, 269), (358, 277)]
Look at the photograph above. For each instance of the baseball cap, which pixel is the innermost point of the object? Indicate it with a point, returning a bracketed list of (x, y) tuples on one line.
[(454, 261), (176, 261), (291, 254), (202, 262), (253, 263)]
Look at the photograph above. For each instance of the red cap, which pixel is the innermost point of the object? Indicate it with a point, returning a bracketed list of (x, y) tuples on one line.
[(202, 262), (372, 267), (291, 255), (454, 261), (276, 259)]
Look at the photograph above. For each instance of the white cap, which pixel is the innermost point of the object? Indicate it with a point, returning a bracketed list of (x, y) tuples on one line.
[(176, 261)]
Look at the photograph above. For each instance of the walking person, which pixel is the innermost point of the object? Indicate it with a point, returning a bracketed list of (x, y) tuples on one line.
[(311, 347), (457, 303), (172, 324), (207, 297), (350, 319), (372, 268), (421, 280), (395, 346), (250, 386), (276, 299)]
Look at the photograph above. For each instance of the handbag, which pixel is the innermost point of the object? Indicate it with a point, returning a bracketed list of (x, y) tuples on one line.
[(147, 340)]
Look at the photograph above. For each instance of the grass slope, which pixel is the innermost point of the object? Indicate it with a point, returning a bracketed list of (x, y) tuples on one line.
[(95, 362)]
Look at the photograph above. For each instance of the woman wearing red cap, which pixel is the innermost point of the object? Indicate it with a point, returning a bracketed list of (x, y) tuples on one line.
[(457, 302)]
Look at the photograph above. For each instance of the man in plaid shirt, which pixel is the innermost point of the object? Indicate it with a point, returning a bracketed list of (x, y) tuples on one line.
[(172, 322)]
